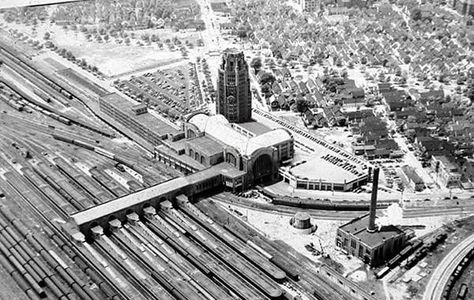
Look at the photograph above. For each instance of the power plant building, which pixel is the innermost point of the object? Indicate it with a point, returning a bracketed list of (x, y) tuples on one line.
[(234, 99), (373, 244)]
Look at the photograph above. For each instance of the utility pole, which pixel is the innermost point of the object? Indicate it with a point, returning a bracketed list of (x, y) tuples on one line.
[(321, 245)]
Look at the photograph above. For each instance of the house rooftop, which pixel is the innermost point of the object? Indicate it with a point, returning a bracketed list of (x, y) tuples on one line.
[(446, 162)]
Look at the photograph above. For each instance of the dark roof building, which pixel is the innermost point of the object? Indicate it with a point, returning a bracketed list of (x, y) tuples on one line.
[(136, 118), (373, 244), (234, 99), (374, 248)]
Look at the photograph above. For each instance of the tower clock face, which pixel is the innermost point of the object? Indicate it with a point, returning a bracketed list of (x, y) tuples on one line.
[(231, 99)]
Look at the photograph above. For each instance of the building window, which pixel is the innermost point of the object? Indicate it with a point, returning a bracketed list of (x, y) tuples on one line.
[(353, 244), (230, 158), (361, 251)]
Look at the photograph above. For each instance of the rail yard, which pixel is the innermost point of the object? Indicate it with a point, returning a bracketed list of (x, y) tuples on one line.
[(173, 178), (56, 163)]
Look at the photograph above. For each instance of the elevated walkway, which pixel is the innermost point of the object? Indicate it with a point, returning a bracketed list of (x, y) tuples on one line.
[(211, 178)]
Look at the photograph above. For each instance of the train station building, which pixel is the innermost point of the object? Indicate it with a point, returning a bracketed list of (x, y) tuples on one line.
[(259, 154)]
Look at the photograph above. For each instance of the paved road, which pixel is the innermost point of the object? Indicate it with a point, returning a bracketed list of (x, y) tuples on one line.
[(440, 276), (211, 34)]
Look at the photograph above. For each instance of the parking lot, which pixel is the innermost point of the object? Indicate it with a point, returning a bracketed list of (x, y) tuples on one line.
[(173, 92)]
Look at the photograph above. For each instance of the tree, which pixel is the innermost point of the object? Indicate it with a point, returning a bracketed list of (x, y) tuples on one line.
[(416, 14), (301, 105), (267, 78), (470, 90), (83, 63), (363, 60), (243, 31), (344, 73), (267, 89), (256, 64), (46, 36), (413, 290)]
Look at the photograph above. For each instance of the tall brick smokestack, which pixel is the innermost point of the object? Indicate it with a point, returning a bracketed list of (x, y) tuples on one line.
[(373, 201)]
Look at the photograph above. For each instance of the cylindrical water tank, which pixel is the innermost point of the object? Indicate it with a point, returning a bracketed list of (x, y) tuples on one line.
[(302, 220)]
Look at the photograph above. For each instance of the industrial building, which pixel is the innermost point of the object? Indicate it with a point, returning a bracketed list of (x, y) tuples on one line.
[(363, 239), (137, 118), (234, 99)]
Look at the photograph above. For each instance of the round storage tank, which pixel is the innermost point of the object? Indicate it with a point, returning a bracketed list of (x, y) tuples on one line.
[(301, 220)]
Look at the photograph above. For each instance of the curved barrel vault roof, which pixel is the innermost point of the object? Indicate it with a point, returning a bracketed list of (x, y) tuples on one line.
[(219, 128)]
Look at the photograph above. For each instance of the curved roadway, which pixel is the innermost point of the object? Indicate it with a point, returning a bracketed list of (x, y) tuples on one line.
[(439, 278)]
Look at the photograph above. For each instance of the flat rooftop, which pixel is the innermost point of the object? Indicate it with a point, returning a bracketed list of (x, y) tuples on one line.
[(254, 127), (206, 145), (119, 204), (148, 120), (358, 228), (78, 79), (320, 169), (183, 158), (176, 184)]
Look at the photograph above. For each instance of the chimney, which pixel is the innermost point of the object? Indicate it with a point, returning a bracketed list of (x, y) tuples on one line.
[(373, 201)]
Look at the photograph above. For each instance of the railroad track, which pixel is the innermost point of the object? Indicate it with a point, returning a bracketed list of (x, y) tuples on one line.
[(230, 199), (440, 276), (411, 213), (43, 129), (52, 86), (31, 200)]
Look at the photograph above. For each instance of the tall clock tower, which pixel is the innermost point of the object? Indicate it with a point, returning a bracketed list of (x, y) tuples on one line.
[(234, 100)]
